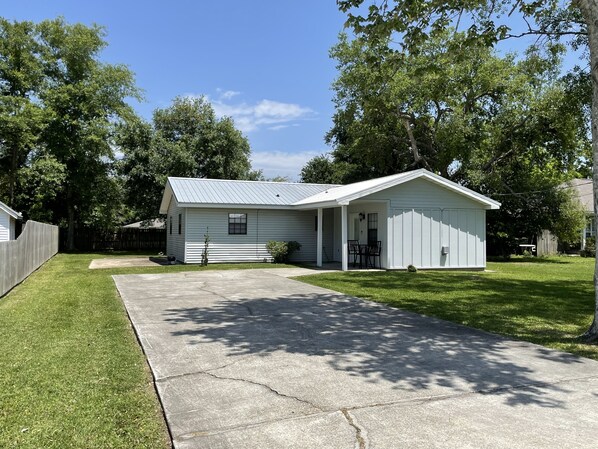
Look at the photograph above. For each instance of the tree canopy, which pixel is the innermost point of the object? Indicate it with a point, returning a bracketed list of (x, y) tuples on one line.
[(408, 27), (65, 123), (508, 126), (185, 139), (58, 105)]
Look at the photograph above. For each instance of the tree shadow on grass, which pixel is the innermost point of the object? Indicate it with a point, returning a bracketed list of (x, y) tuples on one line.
[(482, 301), (376, 343), (531, 259)]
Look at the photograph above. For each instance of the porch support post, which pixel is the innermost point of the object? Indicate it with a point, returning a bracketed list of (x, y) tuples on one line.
[(319, 245), (345, 257)]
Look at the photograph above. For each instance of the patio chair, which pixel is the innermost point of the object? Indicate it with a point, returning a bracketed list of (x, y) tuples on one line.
[(374, 250), (353, 250)]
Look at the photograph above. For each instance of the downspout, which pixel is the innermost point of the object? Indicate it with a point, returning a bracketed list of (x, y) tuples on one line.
[(257, 233)]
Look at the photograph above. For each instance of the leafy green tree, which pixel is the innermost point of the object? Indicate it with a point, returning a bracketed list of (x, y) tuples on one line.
[(186, 139), (21, 118), (322, 170), (83, 98), (488, 22), (39, 185)]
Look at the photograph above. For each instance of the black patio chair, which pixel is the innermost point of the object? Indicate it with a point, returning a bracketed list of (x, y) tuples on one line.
[(374, 250), (353, 250)]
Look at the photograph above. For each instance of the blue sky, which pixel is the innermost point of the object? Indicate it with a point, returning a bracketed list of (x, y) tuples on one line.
[(263, 62)]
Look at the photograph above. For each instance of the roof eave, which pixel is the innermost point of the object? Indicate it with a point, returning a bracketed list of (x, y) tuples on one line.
[(166, 198), (13, 213), (422, 173), (235, 206)]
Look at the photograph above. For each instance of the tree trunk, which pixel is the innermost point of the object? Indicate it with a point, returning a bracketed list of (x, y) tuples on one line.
[(589, 9), (70, 238), (12, 178)]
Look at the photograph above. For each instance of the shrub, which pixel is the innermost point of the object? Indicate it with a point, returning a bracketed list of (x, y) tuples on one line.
[(590, 249), (411, 269), (282, 251)]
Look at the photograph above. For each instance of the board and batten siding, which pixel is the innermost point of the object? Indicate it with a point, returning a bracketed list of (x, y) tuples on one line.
[(424, 217), (175, 241), (262, 225), (420, 234)]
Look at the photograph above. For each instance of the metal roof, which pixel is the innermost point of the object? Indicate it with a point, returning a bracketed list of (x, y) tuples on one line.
[(13, 213), (347, 193), (196, 192)]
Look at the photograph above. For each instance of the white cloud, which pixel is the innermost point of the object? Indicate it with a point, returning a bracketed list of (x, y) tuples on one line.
[(227, 94), (269, 114), (280, 163), (274, 115)]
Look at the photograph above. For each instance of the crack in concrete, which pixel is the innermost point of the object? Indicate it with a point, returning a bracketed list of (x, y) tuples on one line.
[(360, 433), (191, 435), (240, 379), (268, 387)]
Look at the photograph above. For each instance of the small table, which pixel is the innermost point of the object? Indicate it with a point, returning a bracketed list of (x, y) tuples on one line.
[(364, 253), (528, 247)]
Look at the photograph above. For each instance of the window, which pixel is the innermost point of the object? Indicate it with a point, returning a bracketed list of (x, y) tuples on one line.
[(180, 224), (171, 224), (372, 229), (316, 228), (237, 223), (591, 227)]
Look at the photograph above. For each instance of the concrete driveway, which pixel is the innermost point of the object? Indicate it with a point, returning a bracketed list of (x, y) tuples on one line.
[(251, 359)]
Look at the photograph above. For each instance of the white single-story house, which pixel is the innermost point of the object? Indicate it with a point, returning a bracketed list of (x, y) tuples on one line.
[(418, 217), (8, 221), (583, 190)]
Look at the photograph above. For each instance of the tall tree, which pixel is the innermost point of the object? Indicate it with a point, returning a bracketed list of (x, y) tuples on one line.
[(83, 98), (21, 117), (489, 22), (186, 139)]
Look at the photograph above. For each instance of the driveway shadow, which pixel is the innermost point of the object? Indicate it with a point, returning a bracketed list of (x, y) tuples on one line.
[(379, 343)]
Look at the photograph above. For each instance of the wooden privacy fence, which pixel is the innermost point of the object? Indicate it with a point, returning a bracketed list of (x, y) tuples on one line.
[(19, 258), (119, 239)]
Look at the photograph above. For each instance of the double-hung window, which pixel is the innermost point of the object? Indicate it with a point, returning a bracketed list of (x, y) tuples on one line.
[(237, 224)]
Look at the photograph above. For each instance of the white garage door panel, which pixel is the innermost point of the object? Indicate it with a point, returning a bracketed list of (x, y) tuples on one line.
[(419, 234)]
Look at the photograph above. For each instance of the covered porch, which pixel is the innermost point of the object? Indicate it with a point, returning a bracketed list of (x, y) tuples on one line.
[(353, 236)]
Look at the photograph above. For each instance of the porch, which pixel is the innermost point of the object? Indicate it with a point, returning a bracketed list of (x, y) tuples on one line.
[(353, 236)]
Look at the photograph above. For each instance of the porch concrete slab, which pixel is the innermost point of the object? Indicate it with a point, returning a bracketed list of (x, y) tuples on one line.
[(251, 357)]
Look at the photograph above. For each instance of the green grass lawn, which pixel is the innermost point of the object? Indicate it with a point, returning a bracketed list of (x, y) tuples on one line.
[(71, 371), (545, 301)]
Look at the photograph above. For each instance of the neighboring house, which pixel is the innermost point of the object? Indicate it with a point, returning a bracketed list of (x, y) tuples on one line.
[(154, 223), (583, 190), (420, 219), (8, 221)]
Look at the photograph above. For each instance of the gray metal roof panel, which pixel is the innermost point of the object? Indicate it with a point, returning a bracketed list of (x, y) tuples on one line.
[(220, 191)]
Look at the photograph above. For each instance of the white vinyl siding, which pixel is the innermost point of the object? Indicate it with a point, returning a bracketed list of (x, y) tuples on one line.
[(6, 227), (175, 242), (262, 225)]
